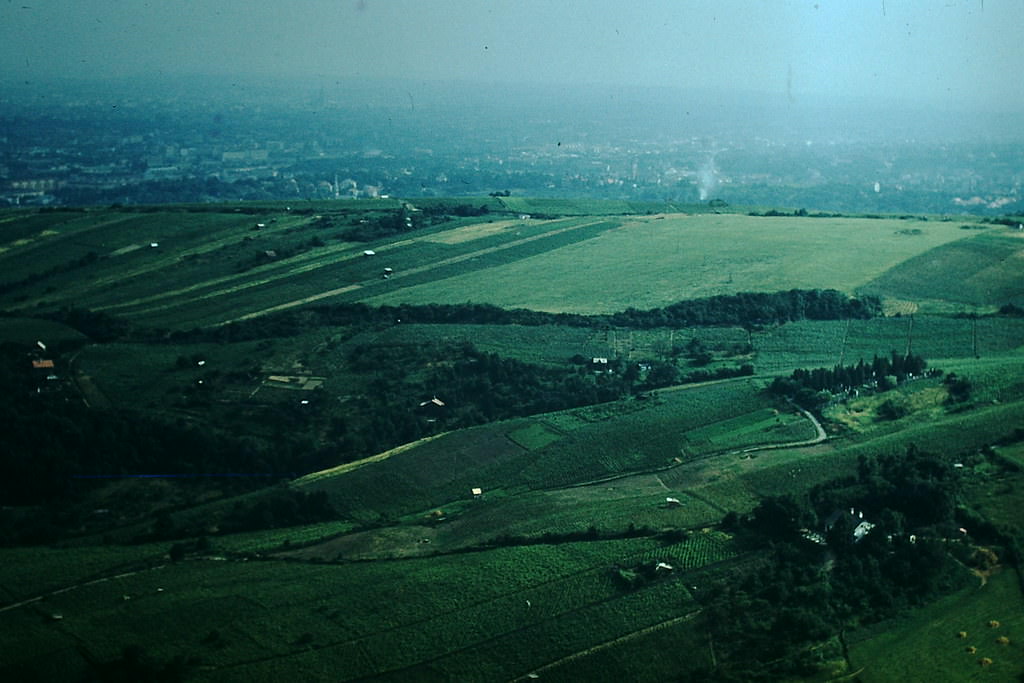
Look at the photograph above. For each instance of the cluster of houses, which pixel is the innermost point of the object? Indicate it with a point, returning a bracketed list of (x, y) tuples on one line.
[(860, 527), (44, 370)]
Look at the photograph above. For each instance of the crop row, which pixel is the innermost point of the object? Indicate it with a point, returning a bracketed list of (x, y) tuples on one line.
[(700, 549)]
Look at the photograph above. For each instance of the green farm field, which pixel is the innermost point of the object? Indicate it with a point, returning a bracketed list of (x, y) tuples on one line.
[(514, 525), (564, 448), (532, 606), (976, 271), (925, 645), (211, 267), (938, 339), (649, 262), (551, 344), (31, 330)]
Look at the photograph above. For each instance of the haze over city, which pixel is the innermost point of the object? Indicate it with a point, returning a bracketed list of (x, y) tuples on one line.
[(957, 55)]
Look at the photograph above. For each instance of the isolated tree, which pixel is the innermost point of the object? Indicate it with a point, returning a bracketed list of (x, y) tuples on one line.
[(890, 410), (959, 388), (662, 375)]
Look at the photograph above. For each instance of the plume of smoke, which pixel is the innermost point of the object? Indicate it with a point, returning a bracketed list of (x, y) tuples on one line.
[(707, 178)]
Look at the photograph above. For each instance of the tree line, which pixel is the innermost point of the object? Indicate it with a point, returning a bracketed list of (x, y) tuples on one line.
[(812, 388), (749, 309)]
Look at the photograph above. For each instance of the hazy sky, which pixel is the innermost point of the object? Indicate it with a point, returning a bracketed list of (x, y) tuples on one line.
[(952, 52)]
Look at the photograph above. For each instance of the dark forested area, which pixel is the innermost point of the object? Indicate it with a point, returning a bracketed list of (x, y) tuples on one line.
[(850, 552), (420, 389), (56, 449)]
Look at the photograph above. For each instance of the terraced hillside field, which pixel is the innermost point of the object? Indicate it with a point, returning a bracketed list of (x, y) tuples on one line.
[(468, 493), (185, 267), (982, 271)]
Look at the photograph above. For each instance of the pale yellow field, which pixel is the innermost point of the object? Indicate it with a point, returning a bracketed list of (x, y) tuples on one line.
[(472, 232)]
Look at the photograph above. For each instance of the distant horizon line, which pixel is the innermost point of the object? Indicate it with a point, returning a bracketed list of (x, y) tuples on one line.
[(280, 82)]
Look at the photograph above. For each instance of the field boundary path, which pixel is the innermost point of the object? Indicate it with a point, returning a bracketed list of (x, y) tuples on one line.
[(607, 644), (91, 394), (121, 574), (356, 464), (846, 339), (819, 437)]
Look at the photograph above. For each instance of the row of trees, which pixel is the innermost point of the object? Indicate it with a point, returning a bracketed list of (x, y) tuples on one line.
[(810, 388), (406, 220), (747, 309), (744, 309), (750, 309)]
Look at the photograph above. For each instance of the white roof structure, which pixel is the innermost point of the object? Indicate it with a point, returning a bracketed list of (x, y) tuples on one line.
[(861, 530)]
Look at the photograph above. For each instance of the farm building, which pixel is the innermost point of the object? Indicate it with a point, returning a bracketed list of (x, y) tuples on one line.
[(432, 409), (861, 530), (861, 527), (432, 403), (856, 519)]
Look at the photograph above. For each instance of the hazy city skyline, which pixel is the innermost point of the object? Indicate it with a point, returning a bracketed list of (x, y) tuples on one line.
[(955, 55)]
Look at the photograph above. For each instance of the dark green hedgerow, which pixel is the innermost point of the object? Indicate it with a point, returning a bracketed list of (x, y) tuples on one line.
[(745, 309)]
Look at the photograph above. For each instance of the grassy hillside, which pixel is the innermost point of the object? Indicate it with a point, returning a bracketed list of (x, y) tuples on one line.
[(927, 644), (567, 448), (212, 265), (650, 262), (980, 271), (347, 495)]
